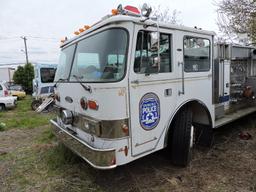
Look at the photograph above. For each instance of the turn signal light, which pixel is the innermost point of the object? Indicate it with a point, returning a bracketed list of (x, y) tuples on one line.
[(93, 105)]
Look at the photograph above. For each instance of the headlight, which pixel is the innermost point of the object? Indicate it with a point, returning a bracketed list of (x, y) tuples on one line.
[(66, 117)]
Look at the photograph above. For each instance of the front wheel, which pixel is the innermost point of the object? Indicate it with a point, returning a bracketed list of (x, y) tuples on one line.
[(182, 137), (35, 104)]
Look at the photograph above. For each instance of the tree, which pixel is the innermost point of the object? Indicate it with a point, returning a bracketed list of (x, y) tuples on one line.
[(166, 15), (236, 17), (24, 76), (18, 76)]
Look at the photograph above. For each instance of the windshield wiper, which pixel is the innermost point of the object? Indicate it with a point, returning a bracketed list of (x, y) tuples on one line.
[(59, 81), (86, 87)]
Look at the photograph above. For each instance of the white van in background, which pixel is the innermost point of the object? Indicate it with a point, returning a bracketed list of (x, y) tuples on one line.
[(42, 83)]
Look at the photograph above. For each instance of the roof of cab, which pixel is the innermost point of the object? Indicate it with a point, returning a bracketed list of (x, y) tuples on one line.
[(109, 19)]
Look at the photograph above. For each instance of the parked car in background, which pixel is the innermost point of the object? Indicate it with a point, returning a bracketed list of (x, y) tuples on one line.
[(17, 91), (3, 89), (7, 102)]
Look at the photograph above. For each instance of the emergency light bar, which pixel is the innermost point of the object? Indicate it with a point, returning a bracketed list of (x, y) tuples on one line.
[(127, 10)]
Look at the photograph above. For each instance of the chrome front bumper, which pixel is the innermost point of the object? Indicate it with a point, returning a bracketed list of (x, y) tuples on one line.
[(97, 158)]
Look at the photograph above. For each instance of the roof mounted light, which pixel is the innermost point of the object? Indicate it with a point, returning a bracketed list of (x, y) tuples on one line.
[(132, 10), (146, 10), (128, 10), (120, 8)]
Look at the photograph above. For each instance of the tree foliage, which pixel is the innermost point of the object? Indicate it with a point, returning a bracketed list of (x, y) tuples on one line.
[(237, 17), (166, 15), (24, 76)]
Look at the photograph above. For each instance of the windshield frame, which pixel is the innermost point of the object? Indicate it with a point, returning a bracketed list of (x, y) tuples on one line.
[(88, 36)]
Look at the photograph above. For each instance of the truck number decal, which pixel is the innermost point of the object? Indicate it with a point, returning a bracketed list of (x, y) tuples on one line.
[(149, 110)]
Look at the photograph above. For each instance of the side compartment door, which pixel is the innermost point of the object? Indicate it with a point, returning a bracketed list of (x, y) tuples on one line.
[(196, 80), (152, 93)]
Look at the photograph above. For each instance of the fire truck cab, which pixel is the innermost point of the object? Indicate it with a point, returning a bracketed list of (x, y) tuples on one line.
[(129, 86)]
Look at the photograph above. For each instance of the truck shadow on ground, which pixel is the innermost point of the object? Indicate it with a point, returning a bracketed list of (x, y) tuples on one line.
[(218, 168)]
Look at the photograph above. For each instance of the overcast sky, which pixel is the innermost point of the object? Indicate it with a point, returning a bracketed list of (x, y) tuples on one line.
[(45, 22)]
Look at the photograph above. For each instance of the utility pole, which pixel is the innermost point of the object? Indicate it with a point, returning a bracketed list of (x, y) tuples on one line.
[(26, 51)]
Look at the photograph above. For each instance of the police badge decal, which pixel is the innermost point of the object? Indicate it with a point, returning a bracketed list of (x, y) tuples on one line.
[(149, 110)]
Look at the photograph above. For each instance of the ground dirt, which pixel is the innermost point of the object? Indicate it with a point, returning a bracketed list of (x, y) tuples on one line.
[(30, 161)]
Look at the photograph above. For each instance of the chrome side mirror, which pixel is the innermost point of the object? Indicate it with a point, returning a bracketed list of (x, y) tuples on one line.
[(154, 48), (154, 41)]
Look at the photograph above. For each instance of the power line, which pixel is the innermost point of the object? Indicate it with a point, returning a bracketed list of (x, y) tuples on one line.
[(33, 37), (38, 37)]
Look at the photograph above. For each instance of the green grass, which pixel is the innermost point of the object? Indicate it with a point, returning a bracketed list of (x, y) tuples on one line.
[(23, 117), (41, 164)]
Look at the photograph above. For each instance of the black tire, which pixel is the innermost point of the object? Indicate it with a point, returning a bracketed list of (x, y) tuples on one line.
[(181, 141), (35, 104), (2, 107)]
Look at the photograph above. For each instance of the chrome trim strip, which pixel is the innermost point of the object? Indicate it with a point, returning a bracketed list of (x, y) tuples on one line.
[(88, 151)]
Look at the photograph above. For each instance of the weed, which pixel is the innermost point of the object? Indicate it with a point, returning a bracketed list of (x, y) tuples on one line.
[(2, 126), (59, 156), (47, 136)]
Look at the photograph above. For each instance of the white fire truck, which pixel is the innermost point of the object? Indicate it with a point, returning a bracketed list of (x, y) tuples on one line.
[(129, 86)]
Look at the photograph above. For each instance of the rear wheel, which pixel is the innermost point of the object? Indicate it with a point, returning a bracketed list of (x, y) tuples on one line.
[(182, 137), (2, 107)]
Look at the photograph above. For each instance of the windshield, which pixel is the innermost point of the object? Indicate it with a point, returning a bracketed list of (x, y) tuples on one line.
[(47, 74), (65, 61), (101, 57)]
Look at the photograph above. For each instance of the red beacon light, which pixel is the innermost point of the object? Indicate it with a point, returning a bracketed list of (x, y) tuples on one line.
[(132, 9), (127, 10)]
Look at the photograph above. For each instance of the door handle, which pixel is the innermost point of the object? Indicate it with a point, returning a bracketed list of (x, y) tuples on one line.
[(135, 82)]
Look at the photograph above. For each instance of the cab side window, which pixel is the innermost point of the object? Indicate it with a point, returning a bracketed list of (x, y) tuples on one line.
[(196, 54), (145, 53), (1, 88)]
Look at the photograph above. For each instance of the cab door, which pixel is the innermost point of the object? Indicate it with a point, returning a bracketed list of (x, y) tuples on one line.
[(152, 91)]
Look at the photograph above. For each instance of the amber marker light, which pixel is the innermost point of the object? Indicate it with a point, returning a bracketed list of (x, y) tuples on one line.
[(113, 161), (114, 11), (76, 33), (93, 105), (86, 27), (125, 129), (81, 30)]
